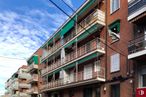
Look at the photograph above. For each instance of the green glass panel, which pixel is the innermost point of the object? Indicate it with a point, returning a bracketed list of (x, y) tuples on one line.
[(87, 58)]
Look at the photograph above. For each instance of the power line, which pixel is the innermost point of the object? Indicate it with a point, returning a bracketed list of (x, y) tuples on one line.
[(85, 28), (74, 11)]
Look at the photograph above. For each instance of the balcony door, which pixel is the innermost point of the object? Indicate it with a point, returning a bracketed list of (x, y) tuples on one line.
[(142, 77), (88, 71)]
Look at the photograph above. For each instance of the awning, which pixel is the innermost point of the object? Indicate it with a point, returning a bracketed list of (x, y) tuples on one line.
[(68, 26), (70, 43), (87, 32), (36, 60), (56, 71), (58, 34), (86, 7), (70, 65), (33, 59), (87, 58), (115, 24), (50, 41)]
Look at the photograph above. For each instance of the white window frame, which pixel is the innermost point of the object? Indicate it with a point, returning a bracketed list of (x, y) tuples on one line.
[(115, 65), (111, 5)]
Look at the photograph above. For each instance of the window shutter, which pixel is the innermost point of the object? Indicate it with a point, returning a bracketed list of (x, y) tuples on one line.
[(115, 62)]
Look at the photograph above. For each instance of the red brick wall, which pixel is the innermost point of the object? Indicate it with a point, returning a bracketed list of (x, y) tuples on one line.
[(119, 46)]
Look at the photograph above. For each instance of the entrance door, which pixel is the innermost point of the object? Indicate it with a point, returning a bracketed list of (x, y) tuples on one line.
[(87, 92)]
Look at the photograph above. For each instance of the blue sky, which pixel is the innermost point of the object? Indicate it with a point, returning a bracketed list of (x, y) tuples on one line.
[(24, 26)]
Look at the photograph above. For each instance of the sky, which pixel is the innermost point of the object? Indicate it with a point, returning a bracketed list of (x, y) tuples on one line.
[(24, 26)]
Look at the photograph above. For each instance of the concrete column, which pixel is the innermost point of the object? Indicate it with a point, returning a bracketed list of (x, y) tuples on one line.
[(62, 56)]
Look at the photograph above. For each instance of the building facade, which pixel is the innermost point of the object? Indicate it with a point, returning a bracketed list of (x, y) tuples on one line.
[(33, 70), (17, 85), (137, 46), (73, 58)]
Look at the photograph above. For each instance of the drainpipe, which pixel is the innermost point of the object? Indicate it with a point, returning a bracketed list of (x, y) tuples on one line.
[(106, 36)]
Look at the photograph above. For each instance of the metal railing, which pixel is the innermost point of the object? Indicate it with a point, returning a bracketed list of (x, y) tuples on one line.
[(135, 5), (69, 37), (90, 46), (34, 77), (76, 78), (33, 90), (84, 49), (51, 67), (97, 15), (24, 75), (137, 44), (24, 85), (51, 50)]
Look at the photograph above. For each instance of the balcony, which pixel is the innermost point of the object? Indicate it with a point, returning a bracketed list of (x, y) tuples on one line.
[(51, 50), (33, 90), (136, 8), (97, 16), (24, 85), (89, 47), (34, 78), (70, 36), (83, 51), (21, 94), (51, 67), (32, 67), (137, 47), (24, 76), (15, 95), (15, 85), (77, 79)]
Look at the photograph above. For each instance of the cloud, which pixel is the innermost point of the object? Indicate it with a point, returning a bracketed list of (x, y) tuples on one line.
[(23, 34)]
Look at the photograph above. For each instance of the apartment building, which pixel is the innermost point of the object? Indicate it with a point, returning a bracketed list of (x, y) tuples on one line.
[(70, 69), (137, 46), (33, 70), (73, 58), (17, 85), (99, 52)]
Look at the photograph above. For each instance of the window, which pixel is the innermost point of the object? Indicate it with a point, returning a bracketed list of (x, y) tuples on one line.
[(115, 5), (88, 71), (144, 80), (115, 62), (114, 30), (115, 90)]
